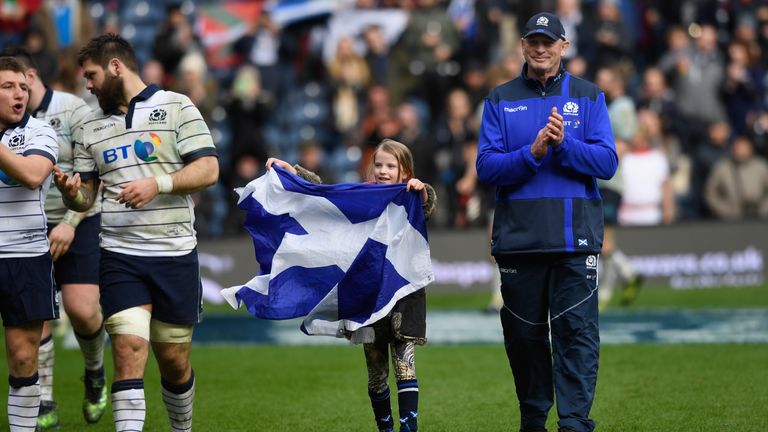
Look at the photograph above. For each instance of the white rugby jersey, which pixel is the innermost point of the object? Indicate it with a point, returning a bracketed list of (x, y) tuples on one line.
[(22, 216), (64, 112), (161, 132)]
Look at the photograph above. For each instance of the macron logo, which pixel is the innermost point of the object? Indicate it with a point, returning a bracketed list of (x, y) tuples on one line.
[(516, 109)]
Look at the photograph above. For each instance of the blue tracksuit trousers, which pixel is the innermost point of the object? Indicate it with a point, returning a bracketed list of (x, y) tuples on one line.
[(557, 293)]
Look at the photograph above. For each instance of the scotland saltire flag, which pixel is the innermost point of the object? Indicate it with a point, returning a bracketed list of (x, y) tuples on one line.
[(341, 255)]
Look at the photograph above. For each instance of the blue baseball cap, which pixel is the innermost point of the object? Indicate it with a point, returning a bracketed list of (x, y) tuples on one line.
[(544, 23)]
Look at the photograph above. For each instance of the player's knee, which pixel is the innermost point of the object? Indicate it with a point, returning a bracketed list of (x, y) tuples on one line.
[(133, 321), (22, 362), (164, 332)]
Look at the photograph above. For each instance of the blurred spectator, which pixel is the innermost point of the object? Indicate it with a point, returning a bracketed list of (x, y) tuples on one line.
[(377, 110), (473, 82), (706, 155), (743, 87), (247, 167), (72, 23), (153, 73), (655, 26), (577, 66), (248, 108), (260, 47), (738, 185), (617, 270), (762, 33), (376, 54), (311, 157), (423, 59), (569, 13), (37, 45), (414, 134), (613, 42), (648, 197), (349, 77), (697, 74), (174, 40), (193, 80), (453, 133), (15, 16), (621, 108), (656, 96)]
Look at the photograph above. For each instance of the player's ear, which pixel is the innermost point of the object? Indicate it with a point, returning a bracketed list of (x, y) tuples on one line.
[(115, 66)]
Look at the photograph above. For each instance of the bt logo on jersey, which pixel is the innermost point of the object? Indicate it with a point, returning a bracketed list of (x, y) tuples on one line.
[(144, 150)]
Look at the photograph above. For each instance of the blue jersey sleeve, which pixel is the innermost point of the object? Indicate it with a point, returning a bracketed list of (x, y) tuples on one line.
[(596, 155), (495, 165)]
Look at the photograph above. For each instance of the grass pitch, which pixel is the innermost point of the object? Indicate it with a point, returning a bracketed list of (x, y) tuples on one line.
[(641, 388), (463, 388)]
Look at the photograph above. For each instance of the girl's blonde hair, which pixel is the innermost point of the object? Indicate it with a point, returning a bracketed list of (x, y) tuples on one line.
[(401, 153)]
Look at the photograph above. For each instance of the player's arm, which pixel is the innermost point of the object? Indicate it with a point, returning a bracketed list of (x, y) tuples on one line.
[(196, 175), (30, 170), (77, 194)]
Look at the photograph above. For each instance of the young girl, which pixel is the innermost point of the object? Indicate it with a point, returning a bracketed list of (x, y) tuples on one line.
[(405, 326)]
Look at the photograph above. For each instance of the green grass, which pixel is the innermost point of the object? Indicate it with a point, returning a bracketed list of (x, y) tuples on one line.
[(649, 297), (641, 388), (463, 388)]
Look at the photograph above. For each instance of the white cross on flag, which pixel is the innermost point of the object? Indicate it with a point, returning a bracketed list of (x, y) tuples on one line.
[(341, 255)]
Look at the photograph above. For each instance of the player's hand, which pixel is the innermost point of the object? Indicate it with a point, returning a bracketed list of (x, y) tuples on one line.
[(540, 145), (555, 128), (280, 163), (138, 193), (68, 185), (61, 238)]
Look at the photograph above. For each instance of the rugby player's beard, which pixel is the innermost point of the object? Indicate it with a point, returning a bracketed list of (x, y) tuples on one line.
[(110, 95)]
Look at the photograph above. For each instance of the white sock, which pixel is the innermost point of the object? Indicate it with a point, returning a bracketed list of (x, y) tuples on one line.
[(45, 358), (92, 347), (23, 403), (624, 266), (178, 401), (128, 405)]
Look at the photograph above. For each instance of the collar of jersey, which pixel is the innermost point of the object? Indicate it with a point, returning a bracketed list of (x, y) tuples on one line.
[(46, 100), (142, 96), (551, 81)]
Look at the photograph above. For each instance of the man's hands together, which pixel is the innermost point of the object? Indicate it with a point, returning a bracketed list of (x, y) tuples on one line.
[(552, 134)]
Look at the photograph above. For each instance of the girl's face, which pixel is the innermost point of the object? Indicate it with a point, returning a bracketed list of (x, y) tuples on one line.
[(386, 170)]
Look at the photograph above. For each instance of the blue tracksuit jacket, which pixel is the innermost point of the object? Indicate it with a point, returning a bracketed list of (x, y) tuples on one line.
[(552, 204)]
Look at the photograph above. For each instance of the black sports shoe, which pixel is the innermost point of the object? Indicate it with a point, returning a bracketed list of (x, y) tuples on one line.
[(47, 419), (95, 401)]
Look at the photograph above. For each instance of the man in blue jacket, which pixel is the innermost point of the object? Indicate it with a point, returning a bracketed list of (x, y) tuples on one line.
[(544, 139)]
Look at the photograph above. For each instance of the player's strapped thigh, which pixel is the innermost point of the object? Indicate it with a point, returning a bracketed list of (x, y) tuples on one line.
[(138, 321), (170, 284), (27, 291), (80, 265)]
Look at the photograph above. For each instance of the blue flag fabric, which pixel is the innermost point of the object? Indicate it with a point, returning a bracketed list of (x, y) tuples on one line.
[(341, 255)]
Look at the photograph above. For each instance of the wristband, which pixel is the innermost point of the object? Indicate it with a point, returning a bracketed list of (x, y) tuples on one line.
[(164, 183), (78, 201), (71, 218)]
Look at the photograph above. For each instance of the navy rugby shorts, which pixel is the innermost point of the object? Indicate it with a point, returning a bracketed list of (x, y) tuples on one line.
[(80, 265), (27, 291), (170, 284)]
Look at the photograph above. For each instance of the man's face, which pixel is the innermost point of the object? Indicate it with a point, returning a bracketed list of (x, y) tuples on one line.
[(14, 95), (543, 54), (107, 87)]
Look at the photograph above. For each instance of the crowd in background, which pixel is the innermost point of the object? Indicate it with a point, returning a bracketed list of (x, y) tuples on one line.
[(686, 82)]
